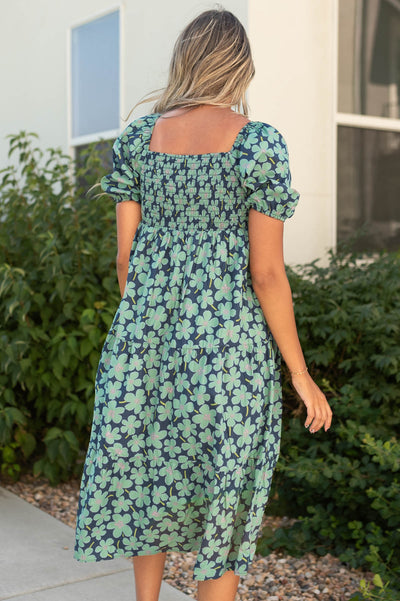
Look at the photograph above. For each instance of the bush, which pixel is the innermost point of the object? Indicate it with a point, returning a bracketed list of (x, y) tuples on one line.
[(343, 485), (58, 294)]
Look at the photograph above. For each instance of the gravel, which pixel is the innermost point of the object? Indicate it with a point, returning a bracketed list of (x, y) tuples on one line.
[(277, 577)]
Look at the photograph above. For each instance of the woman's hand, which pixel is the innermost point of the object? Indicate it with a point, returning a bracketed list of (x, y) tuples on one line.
[(318, 411)]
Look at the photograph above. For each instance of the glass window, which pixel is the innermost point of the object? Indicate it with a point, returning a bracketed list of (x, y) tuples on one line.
[(369, 57), (95, 76), (369, 187)]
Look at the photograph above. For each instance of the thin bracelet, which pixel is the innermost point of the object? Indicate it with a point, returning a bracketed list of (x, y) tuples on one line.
[(299, 373)]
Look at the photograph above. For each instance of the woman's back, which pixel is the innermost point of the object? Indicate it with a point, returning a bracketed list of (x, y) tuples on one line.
[(206, 129)]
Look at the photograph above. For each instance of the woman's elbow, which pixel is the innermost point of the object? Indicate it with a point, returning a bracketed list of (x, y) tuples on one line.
[(121, 261), (268, 278)]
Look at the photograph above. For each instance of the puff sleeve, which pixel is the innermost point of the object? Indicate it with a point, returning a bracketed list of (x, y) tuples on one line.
[(123, 183), (266, 174)]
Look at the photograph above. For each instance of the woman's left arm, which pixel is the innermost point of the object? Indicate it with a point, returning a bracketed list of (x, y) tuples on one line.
[(129, 215)]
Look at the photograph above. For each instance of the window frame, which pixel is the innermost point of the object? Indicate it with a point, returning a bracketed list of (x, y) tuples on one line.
[(74, 142), (351, 119)]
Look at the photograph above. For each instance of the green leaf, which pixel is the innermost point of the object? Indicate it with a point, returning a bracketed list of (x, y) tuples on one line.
[(27, 442), (52, 434), (9, 455), (85, 347), (71, 439), (38, 467), (377, 580), (13, 416)]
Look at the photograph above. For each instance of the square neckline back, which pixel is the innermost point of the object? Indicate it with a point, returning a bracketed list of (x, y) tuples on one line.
[(197, 155)]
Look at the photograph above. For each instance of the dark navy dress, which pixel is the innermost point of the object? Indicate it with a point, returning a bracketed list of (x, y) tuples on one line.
[(187, 415)]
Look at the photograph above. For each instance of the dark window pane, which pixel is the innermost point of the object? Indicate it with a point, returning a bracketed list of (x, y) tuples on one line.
[(369, 187)]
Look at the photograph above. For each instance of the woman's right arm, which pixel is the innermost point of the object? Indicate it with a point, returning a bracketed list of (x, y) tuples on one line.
[(271, 286)]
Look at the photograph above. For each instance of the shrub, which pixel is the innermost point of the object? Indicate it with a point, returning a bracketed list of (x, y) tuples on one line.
[(58, 294), (343, 485)]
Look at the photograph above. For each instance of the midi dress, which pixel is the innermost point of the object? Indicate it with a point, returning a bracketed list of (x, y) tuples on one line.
[(187, 411)]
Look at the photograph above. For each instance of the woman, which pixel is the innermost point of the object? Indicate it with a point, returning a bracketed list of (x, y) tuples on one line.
[(187, 418)]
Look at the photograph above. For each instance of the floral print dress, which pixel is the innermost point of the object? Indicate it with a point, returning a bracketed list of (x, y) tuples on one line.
[(187, 414)]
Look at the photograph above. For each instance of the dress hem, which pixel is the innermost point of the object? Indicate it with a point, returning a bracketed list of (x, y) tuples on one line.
[(153, 551)]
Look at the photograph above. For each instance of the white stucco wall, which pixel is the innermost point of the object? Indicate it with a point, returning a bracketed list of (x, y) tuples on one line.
[(34, 51), (294, 90), (147, 65)]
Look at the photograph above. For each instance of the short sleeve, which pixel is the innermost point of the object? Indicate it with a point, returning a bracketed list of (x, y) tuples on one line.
[(123, 183), (266, 174)]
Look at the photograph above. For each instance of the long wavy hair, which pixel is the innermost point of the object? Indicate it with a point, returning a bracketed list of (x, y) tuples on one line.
[(211, 64)]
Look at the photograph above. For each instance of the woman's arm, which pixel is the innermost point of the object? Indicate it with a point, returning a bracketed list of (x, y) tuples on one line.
[(129, 215), (273, 291)]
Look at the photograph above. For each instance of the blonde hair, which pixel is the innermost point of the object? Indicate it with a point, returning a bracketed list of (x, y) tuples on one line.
[(211, 64)]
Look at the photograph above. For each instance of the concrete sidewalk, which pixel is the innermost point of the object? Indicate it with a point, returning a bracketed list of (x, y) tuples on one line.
[(36, 562)]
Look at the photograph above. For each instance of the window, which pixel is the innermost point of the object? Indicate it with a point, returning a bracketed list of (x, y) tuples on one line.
[(95, 83), (368, 141)]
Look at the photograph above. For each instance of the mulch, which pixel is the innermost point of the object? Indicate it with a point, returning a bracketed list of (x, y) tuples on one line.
[(277, 577)]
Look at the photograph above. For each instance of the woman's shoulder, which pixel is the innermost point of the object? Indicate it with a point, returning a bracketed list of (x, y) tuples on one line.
[(139, 128), (264, 170), (261, 131), (261, 143)]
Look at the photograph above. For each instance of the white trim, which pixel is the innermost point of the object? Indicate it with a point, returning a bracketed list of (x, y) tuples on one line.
[(105, 135), (367, 121), (121, 65), (69, 87), (95, 15), (335, 50), (69, 94)]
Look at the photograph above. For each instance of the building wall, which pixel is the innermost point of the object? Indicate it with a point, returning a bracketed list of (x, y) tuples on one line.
[(147, 57), (293, 46), (33, 45), (294, 89)]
